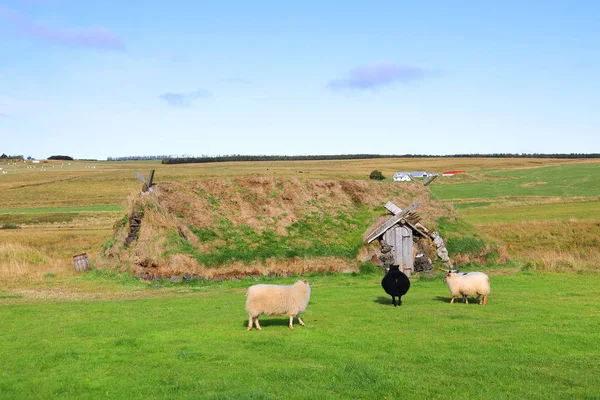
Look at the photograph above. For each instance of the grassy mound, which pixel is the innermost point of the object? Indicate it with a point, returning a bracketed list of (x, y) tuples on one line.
[(225, 228)]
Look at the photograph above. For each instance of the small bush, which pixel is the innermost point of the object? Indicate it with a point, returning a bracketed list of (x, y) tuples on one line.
[(10, 226), (377, 175), (65, 158)]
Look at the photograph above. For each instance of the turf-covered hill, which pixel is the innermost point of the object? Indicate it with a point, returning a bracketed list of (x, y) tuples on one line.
[(225, 228)]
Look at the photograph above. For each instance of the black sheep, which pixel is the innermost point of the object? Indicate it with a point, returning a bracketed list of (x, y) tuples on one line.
[(395, 283)]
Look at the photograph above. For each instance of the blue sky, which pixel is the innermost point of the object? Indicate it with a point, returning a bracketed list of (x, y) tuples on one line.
[(98, 79)]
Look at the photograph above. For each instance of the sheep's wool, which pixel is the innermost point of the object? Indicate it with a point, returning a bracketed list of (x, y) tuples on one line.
[(277, 299)]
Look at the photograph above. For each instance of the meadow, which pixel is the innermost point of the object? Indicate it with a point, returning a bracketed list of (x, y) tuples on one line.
[(537, 338), (107, 334)]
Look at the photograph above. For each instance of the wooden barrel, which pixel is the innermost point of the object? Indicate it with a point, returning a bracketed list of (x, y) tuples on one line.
[(81, 262)]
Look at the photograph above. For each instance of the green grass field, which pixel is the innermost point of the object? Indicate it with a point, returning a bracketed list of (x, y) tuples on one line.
[(558, 181), (104, 335), (537, 338)]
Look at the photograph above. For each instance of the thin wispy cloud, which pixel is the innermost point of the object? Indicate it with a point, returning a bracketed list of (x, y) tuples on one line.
[(241, 81), (184, 100), (92, 37), (3, 115), (378, 75), (38, 2)]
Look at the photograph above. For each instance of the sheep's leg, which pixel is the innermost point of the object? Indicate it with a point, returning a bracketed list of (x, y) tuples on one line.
[(485, 299), (250, 320), (257, 324), (452, 301), (465, 298), (477, 298), (300, 320), (291, 322), (394, 300)]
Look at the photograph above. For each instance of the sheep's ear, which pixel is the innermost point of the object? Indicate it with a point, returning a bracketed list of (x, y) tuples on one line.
[(305, 281)]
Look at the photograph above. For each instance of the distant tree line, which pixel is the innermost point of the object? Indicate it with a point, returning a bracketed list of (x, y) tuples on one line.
[(65, 158), (138, 158), (209, 159), (6, 157)]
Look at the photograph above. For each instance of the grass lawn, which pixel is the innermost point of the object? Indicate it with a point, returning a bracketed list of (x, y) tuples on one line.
[(564, 181), (537, 339), (582, 210)]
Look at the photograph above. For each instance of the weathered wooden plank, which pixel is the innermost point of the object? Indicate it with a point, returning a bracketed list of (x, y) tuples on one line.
[(391, 207), (391, 222), (417, 227), (407, 251), (151, 178), (430, 179), (400, 239)]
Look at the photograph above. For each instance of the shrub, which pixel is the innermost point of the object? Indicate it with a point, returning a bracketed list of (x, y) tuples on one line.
[(377, 175), (10, 226)]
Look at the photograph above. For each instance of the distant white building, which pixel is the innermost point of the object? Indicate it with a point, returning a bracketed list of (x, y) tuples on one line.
[(401, 177), (420, 174)]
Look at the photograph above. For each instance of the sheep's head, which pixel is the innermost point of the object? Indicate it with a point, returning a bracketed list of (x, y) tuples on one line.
[(302, 282), (451, 273)]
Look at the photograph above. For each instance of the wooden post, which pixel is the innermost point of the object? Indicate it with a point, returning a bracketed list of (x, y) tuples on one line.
[(430, 179), (150, 178), (146, 186)]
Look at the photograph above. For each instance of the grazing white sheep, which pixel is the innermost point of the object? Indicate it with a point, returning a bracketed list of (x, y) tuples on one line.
[(470, 284), (277, 300)]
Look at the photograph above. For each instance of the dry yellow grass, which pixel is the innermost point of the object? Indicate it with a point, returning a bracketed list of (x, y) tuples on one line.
[(24, 263), (550, 245), (111, 182), (28, 255)]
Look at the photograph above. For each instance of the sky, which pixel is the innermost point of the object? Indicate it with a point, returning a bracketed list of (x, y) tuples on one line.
[(96, 79)]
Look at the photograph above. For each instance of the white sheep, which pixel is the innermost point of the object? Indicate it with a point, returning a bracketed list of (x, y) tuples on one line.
[(277, 300), (470, 284)]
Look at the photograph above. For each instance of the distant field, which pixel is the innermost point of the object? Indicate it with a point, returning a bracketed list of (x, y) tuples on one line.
[(583, 210), (547, 216), (47, 210), (576, 180), (497, 196)]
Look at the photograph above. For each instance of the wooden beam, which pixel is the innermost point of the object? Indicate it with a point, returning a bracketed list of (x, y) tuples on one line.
[(146, 186), (430, 179), (392, 221), (391, 207), (151, 178)]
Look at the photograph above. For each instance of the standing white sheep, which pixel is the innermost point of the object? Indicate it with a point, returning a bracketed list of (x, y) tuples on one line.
[(277, 300), (470, 284)]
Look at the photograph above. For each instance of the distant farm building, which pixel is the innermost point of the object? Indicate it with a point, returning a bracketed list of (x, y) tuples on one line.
[(409, 176), (420, 174), (401, 177), (452, 173)]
